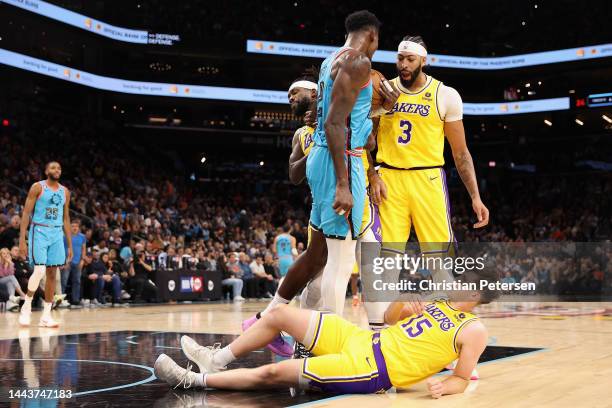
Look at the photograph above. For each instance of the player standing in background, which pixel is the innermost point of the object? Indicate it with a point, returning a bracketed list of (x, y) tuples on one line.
[(48, 203), (284, 249), (334, 168)]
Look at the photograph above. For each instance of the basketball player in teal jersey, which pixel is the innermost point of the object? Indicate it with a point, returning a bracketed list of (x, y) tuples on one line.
[(48, 205), (334, 168), (284, 248)]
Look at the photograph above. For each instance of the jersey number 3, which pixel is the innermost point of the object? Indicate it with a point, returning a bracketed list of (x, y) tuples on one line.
[(406, 127)]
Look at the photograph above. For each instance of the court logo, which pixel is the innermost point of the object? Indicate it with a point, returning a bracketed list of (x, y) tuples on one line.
[(190, 284), (196, 284), (171, 285)]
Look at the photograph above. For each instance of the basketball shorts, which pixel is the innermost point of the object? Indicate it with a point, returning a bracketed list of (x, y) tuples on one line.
[(416, 198), (322, 180), (348, 359), (46, 245), (284, 262)]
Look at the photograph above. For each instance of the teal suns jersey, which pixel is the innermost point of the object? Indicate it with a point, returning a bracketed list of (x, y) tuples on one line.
[(358, 123), (49, 207), (283, 245)]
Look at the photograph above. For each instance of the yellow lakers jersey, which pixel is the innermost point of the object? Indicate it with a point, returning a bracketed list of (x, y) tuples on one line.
[(306, 141), (412, 133), (422, 345)]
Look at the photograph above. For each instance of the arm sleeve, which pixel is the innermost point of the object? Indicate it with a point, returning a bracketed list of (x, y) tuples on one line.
[(450, 104)]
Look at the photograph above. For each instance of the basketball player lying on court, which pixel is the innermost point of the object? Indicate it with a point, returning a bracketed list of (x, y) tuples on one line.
[(348, 359)]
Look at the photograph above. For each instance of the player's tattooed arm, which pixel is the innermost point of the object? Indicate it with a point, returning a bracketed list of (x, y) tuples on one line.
[(465, 167), (350, 74), (33, 194), (297, 160)]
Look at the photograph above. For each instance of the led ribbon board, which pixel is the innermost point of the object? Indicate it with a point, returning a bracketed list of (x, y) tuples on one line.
[(92, 25), (596, 100), (84, 78), (438, 60)]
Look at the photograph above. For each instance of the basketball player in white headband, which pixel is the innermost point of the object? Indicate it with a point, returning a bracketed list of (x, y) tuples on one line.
[(410, 187)]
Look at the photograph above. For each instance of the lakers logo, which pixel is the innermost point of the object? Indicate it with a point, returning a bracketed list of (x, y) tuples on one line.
[(307, 141)]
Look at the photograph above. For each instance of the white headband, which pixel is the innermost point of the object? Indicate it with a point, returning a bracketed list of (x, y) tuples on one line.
[(303, 84), (410, 47)]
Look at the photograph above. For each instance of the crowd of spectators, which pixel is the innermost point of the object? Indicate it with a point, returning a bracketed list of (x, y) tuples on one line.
[(137, 217)]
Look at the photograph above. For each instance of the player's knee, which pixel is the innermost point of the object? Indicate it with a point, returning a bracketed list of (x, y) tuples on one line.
[(269, 374), (277, 314)]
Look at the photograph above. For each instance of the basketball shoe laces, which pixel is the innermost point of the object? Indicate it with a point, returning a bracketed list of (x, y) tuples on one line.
[(185, 379), (212, 349)]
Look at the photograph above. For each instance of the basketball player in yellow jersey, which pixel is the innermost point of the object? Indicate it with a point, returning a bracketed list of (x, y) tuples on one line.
[(410, 187), (349, 359)]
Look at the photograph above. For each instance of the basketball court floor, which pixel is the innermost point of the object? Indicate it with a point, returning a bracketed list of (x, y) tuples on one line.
[(554, 355)]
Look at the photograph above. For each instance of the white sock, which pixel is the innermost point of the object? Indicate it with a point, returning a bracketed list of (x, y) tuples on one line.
[(277, 300), (37, 275), (46, 310), (200, 380), (337, 272), (27, 304), (223, 357), (311, 295)]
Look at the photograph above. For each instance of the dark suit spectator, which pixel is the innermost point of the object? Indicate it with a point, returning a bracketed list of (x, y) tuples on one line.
[(140, 279)]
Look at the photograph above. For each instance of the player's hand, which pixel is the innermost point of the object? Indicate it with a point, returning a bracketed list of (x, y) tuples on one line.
[(435, 386), (343, 201), (23, 250), (413, 305), (378, 188), (69, 257), (482, 213), (390, 94), (310, 118)]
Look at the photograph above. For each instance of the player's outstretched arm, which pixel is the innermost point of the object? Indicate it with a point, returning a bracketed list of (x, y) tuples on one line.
[(297, 160), (471, 341), (465, 167), (353, 72), (33, 194), (67, 231)]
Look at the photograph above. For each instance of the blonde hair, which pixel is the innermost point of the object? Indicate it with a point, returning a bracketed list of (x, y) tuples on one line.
[(3, 253)]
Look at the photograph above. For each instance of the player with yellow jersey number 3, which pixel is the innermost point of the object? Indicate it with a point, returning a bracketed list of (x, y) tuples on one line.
[(410, 185)]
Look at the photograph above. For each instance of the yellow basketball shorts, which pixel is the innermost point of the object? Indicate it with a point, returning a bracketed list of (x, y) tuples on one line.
[(416, 198), (347, 358)]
